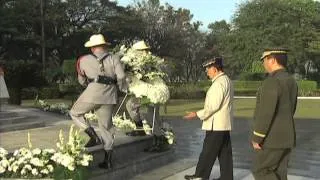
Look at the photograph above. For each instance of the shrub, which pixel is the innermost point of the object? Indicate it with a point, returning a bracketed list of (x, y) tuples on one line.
[(29, 93), (307, 85), (69, 67), (245, 92), (251, 76), (21, 74), (252, 85), (186, 91), (15, 96), (49, 92), (241, 88)]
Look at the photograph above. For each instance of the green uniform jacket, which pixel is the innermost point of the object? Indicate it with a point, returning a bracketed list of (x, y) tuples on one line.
[(273, 124)]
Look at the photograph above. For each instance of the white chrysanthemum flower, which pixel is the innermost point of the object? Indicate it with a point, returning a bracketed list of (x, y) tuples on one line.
[(139, 88), (71, 167), (16, 152), (84, 162), (21, 160), (34, 172), (15, 167), (36, 151), (3, 152), (28, 167), (44, 171), (123, 123), (159, 92), (23, 172), (91, 116), (87, 157), (49, 151), (11, 159), (67, 160), (50, 167), (37, 162), (4, 163), (2, 169), (170, 141)]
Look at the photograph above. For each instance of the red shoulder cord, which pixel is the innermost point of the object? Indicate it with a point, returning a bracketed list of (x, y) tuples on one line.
[(81, 73)]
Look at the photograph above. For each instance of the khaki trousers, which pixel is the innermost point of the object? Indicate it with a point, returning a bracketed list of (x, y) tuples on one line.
[(104, 114)]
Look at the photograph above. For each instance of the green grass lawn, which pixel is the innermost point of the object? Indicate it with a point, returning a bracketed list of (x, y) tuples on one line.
[(307, 109)]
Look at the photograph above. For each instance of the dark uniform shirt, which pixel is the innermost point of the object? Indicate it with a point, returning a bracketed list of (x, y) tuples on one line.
[(273, 124)]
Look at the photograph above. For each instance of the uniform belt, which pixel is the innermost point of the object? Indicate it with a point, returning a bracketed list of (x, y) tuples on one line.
[(103, 80)]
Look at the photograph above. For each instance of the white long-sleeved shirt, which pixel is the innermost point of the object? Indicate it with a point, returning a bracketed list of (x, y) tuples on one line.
[(217, 114)]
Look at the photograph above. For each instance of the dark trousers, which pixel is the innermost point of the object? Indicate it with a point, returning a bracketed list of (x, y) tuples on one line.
[(271, 164), (216, 144)]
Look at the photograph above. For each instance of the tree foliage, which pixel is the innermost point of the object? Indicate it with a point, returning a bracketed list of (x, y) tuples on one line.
[(259, 24), (171, 32)]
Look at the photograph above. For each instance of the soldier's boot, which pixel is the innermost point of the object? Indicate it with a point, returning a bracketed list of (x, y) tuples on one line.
[(155, 143), (107, 162), (94, 138), (141, 132), (162, 145)]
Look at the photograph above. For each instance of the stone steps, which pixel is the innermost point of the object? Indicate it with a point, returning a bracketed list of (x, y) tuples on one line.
[(139, 163), (13, 121), (128, 159), (6, 114)]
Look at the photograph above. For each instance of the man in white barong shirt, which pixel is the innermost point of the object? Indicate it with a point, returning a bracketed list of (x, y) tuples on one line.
[(216, 117)]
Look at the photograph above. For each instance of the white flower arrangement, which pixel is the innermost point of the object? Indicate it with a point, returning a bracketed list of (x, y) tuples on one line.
[(143, 64), (27, 162), (4, 163), (156, 90), (61, 108), (43, 163), (168, 133), (72, 153), (123, 123), (145, 74), (91, 116), (146, 127)]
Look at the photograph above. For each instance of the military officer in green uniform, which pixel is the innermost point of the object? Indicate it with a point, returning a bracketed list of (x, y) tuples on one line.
[(274, 135)]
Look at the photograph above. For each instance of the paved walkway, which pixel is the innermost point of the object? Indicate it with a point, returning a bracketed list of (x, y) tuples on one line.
[(304, 163), (239, 174)]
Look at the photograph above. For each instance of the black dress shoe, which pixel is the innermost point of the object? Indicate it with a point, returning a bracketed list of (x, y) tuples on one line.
[(193, 177)]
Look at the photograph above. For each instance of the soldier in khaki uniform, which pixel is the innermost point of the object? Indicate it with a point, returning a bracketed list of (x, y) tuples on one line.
[(101, 72), (133, 104), (274, 134), (133, 107)]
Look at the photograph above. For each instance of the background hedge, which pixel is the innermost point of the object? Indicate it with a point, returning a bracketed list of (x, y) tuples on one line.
[(242, 88)]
